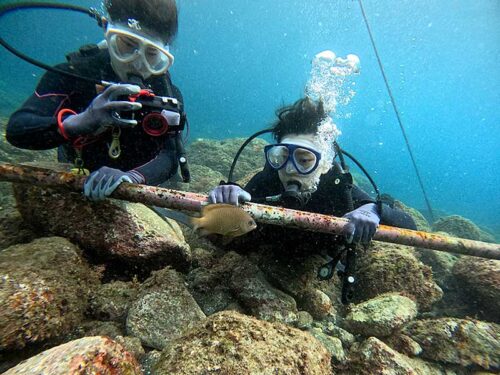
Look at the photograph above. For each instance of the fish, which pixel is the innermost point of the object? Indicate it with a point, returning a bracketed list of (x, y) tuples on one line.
[(218, 218)]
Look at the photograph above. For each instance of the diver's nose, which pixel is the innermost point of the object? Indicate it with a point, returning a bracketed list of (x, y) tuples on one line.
[(290, 169)]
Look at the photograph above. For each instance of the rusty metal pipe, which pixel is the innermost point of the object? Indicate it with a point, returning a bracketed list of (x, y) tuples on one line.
[(187, 201)]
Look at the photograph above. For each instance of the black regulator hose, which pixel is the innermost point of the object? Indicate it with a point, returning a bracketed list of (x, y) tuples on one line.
[(250, 139), (93, 13)]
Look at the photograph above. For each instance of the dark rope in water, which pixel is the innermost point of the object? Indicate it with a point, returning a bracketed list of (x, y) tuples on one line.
[(400, 122)]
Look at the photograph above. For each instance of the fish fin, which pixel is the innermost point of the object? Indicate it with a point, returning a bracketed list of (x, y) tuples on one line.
[(214, 206), (175, 215)]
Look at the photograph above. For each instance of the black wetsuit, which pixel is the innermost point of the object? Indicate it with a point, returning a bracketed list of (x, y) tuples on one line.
[(34, 125), (330, 199)]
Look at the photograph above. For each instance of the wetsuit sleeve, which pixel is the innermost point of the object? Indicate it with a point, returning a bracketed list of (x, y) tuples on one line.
[(360, 197), (396, 218), (34, 125), (162, 167)]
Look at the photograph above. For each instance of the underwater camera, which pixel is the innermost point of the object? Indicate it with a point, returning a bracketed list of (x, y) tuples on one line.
[(159, 114)]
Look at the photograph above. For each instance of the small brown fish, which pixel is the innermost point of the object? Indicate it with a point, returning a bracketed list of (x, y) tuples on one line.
[(224, 219)]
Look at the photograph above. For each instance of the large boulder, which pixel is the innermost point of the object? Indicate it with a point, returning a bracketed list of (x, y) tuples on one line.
[(111, 230), (44, 289), (13, 229), (163, 310), (381, 315), (394, 268), (459, 226), (419, 219), (232, 343), (479, 285), (203, 180), (458, 341), (89, 355)]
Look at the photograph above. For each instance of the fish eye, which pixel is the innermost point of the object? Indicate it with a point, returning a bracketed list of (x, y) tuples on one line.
[(250, 222)]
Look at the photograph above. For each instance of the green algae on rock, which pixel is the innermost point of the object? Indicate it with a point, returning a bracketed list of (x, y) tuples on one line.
[(458, 341), (232, 343), (112, 229), (394, 268), (479, 285), (374, 357), (44, 288), (163, 310), (111, 301), (88, 355), (381, 315)]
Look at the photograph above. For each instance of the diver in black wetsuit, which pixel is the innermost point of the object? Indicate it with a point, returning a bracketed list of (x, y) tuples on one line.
[(94, 128), (299, 175)]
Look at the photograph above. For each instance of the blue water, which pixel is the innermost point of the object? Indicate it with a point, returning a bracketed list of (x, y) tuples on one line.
[(237, 61)]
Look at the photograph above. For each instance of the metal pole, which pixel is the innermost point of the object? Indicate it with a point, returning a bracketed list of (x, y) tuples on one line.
[(187, 201)]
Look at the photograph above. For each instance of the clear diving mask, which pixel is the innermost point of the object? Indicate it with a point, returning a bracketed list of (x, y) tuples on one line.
[(131, 48)]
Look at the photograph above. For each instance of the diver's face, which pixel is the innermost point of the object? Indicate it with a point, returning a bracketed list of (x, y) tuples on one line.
[(134, 50), (289, 172)]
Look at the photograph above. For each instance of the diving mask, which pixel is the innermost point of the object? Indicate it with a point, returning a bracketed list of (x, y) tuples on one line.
[(304, 159), (131, 48)]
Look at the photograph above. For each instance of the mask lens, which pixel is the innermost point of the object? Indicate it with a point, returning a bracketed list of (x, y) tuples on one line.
[(277, 156), (156, 58), (304, 159), (124, 46)]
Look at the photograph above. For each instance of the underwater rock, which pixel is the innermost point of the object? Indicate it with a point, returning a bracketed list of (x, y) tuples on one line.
[(332, 344), (374, 357), (163, 310), (479, 285), (298, 277), (219, 154), (344, 336), (304, 320), (458, 341), (89, 355), (98, 328), (149, 361), (381, 315), (210, 286), (419, 219), (13, 229), (111, 301), (232, 343), (44, 288), (131, 345), (203, 180), (388, 267), (112, 229), (250, 287), (458, 226), (403, 344)]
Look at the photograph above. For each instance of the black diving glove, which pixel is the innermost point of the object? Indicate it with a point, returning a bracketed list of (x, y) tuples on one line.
[(363, 223)]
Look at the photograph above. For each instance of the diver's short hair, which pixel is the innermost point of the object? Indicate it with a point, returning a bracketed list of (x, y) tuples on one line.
[(160, 16), (302, 117)]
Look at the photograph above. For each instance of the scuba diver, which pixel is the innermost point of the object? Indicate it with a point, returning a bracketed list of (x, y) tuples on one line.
[(300, 174), (130, 128)]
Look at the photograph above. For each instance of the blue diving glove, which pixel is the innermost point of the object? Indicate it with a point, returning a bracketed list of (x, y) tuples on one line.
[(231, 194), (101, 183), (363, 223), (103, 112)]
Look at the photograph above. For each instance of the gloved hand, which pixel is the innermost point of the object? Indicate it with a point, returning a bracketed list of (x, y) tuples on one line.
[(363, 223), (101, 183), (228, 194), (103, 112)]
